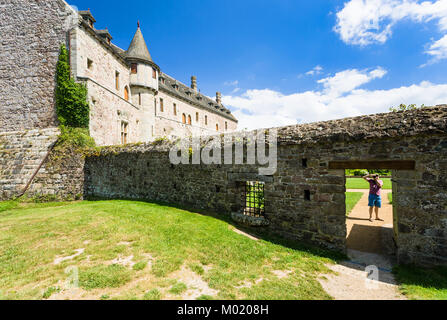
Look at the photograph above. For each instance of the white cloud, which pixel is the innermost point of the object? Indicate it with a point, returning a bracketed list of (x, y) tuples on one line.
[(363, 22), (439, 49), (231, 83), (268, 108), (348, 80), (315, 71)]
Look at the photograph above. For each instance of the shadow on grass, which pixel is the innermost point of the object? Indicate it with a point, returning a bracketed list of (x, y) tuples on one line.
[(259, 233)]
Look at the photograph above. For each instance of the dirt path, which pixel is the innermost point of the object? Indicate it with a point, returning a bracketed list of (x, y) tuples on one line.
[(369, 245)]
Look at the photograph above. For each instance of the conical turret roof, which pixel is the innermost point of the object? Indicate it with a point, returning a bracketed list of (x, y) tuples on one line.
[(138, 48)]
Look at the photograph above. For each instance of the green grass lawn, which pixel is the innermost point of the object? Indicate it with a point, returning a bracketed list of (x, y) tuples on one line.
[(138, 250), (422, 284), (352, 198), (358, 183)]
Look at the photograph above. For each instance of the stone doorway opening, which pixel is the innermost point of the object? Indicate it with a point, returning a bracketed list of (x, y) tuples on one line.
[(364, 235), (379, 236)]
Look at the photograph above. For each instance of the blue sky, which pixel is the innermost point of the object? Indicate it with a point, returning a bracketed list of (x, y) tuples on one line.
[(282, 62)]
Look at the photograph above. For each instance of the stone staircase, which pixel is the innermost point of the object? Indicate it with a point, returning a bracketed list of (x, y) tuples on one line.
[(21, 154)]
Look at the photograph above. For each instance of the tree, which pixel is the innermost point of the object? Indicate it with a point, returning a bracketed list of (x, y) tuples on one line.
[(71, 98)]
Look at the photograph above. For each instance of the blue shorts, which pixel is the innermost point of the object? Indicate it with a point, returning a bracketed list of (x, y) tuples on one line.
[(375, 201)]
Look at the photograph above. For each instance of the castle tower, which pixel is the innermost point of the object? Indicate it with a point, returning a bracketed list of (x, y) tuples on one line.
[(144, 75)]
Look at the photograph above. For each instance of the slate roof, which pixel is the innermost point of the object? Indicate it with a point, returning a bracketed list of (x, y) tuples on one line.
[(182, 91), (138, 48)]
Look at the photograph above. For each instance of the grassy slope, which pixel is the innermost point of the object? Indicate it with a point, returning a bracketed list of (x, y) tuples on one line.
[(355, 183), (352, 198), (32, 236)]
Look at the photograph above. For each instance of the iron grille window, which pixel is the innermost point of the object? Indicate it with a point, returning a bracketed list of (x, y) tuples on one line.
[(254, 199)]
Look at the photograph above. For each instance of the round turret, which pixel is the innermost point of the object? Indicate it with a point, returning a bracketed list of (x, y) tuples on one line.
[(144, 72)]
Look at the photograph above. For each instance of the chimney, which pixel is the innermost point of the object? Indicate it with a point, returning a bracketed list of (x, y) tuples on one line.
[(219, 98), (194, 83)]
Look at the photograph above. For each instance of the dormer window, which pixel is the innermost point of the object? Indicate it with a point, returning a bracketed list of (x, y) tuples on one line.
[(88, 17), (134, 68)]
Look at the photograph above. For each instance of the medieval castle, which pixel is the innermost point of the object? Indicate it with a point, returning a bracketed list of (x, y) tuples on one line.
[(131, 99)]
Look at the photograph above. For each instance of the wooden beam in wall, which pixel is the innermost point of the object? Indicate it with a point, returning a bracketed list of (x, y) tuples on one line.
[(371, 165)]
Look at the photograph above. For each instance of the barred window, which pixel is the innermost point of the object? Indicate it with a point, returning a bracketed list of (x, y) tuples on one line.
[(254, 199)]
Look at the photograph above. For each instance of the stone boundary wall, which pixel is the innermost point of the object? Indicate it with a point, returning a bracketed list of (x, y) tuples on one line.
[(21, 154), (145, 172), (31, 34)]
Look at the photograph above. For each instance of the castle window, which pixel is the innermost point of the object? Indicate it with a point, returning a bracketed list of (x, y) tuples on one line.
[(162, 106), (184, 118), (226, 126), (175, 109), (139, 98), (126, 93), (217, 127), (189, 120), (154, 73), (89, 64), (197, 117), (124, 130), (117, 80), (134, 68), (206, 120)]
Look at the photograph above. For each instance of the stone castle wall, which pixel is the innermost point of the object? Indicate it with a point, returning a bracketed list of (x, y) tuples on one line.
[(31, 34), (421, 200), (21, 154)]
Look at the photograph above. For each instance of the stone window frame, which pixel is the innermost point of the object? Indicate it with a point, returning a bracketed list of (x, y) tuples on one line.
[(126, 93), (184, 118), (162, 105), (226, 125), (206, 120), (175, 109), (89, 64), (117, 80), (189, 120), (197, 117), (217, 127), (134, 68), (154, 73), (124, 132)]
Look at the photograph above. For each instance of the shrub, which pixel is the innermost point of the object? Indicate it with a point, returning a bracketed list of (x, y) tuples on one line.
[(71, 98)]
